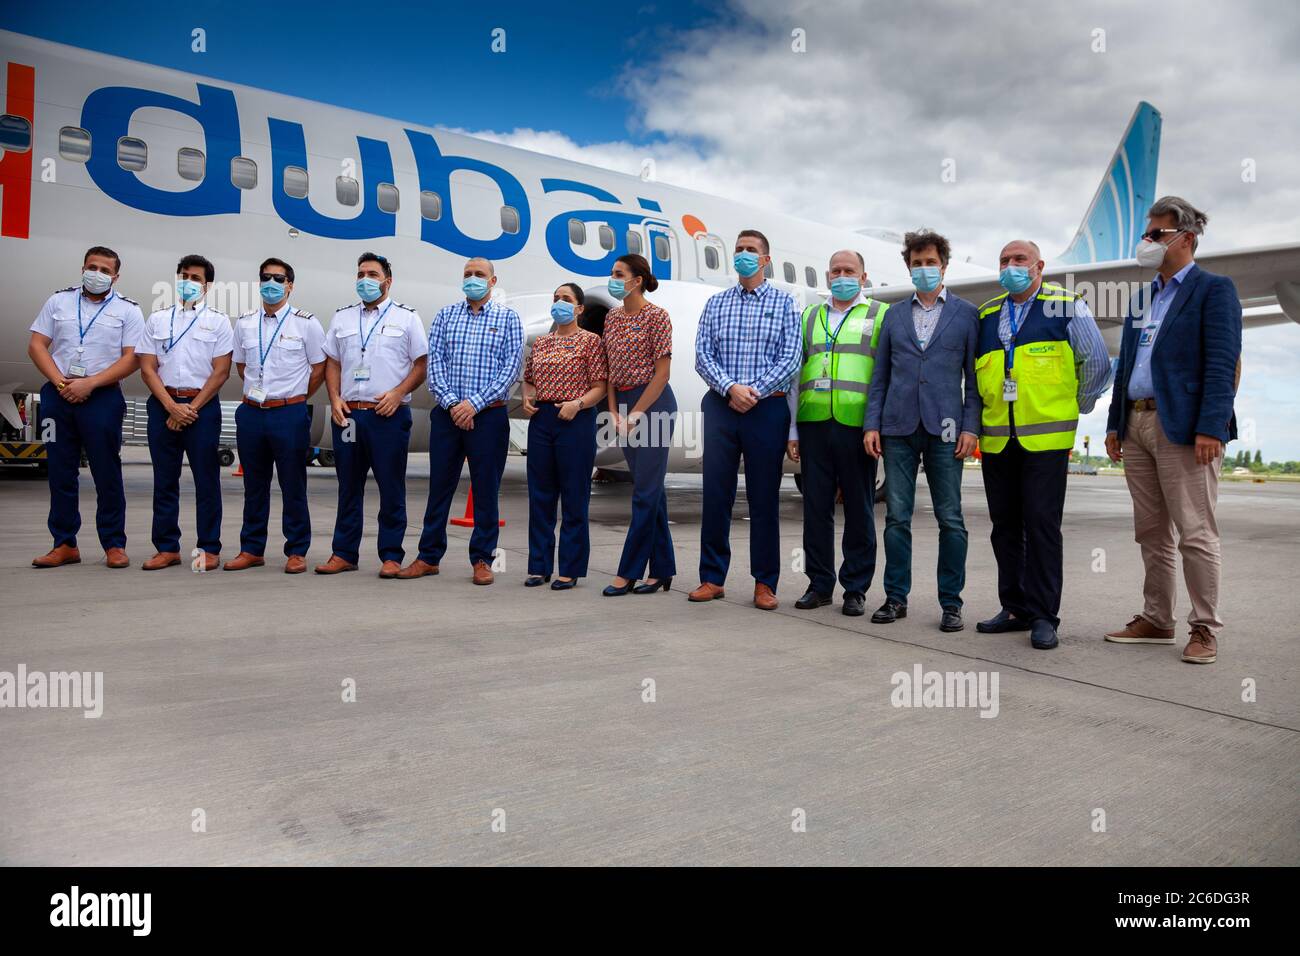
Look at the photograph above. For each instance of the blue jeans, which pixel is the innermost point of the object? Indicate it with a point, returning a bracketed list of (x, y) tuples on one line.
[(903, 453)]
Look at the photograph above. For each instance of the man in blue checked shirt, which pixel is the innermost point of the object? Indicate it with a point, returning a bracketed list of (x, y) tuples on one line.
[(476, 350), (747, 349)]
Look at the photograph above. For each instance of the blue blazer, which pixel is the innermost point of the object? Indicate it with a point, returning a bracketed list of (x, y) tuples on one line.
[(911, 387), (1193, 363)]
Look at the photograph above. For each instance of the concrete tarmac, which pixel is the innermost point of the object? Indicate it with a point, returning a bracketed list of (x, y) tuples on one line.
[(506, 725)]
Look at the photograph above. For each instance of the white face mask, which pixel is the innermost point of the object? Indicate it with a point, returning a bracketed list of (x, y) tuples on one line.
[(1151, 255), (96, 283)]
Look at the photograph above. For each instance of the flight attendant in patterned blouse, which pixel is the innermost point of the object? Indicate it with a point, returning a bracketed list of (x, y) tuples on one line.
[(564, 381), (639, 345)]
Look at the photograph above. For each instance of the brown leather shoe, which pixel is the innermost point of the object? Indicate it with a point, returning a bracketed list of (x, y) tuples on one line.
[(163, 559), (390, 569), (211, 561), (335, 565), (295, 564), (1202, 648), (483, 573), (1141, 631), (57, 557), (116, 558), (706, 592), (764, 599), (244, 560), (416, 569)]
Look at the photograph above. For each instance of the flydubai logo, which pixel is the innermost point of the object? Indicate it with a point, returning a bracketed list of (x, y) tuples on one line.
[(16, 167)]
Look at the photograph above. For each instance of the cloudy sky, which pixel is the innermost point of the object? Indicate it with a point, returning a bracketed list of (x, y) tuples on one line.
[(1027, 99)]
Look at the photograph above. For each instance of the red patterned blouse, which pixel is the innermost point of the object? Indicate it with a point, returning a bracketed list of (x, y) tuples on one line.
[(565, 367), (634, 342)]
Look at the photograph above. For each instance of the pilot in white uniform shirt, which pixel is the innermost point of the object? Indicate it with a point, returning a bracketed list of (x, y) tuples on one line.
[(278, 351), (375, 348), (88, 346), (186, 340)]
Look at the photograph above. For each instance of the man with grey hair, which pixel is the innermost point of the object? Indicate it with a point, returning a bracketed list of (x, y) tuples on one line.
[(1170, 416)]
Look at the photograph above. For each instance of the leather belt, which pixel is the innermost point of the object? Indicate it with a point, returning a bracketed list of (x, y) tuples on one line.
[(361, 406), (276, 402), (494, 404), (1143, 405), (777, 395), (181, 392)]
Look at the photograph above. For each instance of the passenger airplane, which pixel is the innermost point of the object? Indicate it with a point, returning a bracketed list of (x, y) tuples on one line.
[(156, 163)]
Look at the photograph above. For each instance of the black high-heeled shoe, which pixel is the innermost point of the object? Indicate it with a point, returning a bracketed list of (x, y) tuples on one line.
[(665, 583), (536, 580), (611, 591), (558, 585)]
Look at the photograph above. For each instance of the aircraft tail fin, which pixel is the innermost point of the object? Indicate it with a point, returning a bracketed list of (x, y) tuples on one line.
[(1113, 223)]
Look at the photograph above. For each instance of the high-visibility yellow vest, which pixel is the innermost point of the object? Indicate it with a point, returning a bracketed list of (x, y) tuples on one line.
[(1044, 368), (844, 362)]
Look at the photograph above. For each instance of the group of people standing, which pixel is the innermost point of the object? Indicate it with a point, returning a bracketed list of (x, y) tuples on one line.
[(836, 387)]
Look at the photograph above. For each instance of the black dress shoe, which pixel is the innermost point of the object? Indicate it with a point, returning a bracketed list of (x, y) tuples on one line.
[(951, 619), (558, 585), (1042, 635), (855, 603), (1002, 622), (812, 599), (534, 580), (665, 583), (612, 591), (889, 612)]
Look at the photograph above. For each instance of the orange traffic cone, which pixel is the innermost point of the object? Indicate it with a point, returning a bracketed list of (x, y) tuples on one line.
[(467, 521), (238, 472)]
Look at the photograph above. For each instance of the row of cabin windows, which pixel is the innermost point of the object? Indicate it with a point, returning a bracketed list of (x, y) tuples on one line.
[(191, 164)]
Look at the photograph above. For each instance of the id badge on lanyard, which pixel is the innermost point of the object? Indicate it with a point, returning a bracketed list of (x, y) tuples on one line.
[(1009, 391)]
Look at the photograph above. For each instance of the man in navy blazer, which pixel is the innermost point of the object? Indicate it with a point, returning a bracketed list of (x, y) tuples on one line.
[(924, 406), (1170, 418)]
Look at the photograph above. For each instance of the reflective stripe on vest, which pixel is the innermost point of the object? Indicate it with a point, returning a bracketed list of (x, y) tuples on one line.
[(849, 365)]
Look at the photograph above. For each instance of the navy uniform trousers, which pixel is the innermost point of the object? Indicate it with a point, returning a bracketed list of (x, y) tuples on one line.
[(649, 542), (94, 426), (560, 458), (281, 438), (832, 456), (197, 442), (1026, 493), (377, 444), (485, 445), (758, 436)]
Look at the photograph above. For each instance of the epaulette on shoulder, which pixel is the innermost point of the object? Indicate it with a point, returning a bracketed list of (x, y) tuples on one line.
[(248, 315), (71, 288), (344, 308), (303, 315), (132, 301), (403, 305)]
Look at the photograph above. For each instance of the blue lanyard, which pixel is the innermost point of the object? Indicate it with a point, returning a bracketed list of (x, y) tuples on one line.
[(365, 338), (82, 333), (262, 353), (171, 327), (1015, 328), (826, 325)]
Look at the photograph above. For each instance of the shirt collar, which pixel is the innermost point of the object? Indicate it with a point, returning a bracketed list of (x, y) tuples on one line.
[(1178, 276), (276, 314), (760, 290), (943, 296)]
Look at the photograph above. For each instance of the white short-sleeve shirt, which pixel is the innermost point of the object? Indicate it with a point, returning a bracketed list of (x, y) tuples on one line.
[(394, 340), (109, 326), (290, 352), (186, 341)]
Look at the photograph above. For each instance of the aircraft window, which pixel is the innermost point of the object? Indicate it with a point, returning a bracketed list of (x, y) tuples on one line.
[(634, 242), (387, 197), (710, 257), (577, 232), (788, 270), (295, 182), (810, 276), (606, 236), (510, 219), (132, 154), (430, 205), (768, 271), (15, 134), (243, 173), (190, 163), (347, 191), (74, 144), (662, 252)]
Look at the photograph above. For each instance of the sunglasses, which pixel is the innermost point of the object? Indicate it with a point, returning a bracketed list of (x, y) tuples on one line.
[(1155, 234), (273, 277)]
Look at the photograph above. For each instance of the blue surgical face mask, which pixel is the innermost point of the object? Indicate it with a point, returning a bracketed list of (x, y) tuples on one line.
[(926, 278), (746, 263), (845, 288), (96, 283), (369, 288), (1015, 279), (562, 311), (617, 288), (475, 288), (272, 292), (188, 289)]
